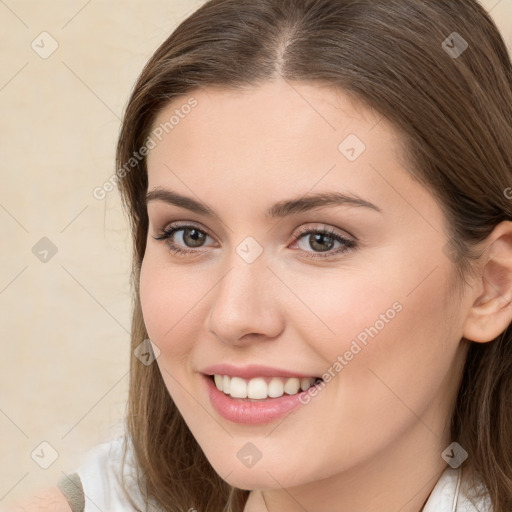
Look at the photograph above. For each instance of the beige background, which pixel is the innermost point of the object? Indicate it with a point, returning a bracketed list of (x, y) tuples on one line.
[(65, 322)]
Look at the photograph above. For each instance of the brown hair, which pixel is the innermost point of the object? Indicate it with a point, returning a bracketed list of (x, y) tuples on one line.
[(454, 113)]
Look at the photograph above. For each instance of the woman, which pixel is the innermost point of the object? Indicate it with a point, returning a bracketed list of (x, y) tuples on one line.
[(318, 192)]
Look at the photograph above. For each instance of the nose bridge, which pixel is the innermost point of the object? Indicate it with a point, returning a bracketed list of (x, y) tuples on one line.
[(243, 302)]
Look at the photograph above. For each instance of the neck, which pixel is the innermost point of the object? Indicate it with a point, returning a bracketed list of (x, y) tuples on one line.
[(399, 478)]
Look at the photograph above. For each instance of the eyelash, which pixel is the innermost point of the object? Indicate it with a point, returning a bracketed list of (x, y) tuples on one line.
[(347, 243)]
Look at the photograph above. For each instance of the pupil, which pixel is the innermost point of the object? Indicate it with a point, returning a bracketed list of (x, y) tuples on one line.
[(196, 236), (320, 237)]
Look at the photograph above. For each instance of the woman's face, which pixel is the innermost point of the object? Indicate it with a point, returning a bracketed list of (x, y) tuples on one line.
[(276, 287)]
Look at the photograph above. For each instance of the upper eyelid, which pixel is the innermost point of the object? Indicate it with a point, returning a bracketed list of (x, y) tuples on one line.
[(176, 226), (297, 234), (329, 230)]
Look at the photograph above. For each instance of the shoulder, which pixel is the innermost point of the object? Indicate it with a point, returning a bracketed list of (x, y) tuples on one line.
[(453, 493), (101, 481), (110, 477), (47, 500)]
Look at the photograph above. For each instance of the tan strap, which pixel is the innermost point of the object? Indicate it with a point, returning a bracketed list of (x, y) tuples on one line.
[(71, 486)]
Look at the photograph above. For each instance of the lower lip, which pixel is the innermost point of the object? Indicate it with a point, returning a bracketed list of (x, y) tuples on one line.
[(238, 410)]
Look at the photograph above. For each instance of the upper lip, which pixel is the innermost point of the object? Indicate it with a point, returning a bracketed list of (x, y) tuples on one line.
[(251, 371)]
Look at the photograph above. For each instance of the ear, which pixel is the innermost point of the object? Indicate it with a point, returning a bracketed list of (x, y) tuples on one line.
[(491, 312)]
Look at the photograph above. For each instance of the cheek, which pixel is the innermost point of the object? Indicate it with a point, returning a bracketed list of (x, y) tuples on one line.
[(406, 345), (338, 306), (397, 326), (168, 312), (153, 301), (166, 307)]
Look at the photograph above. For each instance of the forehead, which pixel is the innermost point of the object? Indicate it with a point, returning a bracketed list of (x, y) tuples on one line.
[(276, 140), (268, 126), (283, 107)]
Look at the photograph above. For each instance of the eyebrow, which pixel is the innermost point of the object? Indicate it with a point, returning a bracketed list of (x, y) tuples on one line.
[(277, 210)]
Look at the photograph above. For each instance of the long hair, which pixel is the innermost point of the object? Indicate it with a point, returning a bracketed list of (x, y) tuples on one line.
[(440, 73)]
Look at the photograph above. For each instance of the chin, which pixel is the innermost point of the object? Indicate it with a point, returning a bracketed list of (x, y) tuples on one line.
[(249, 479), (270, 474)]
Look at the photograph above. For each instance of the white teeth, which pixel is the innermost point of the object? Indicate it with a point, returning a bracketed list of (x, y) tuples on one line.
[(275, 388), (260, 388), (237, 387), (225, 384), (292, 386), (257, 388), (219, 380), (305, 384)]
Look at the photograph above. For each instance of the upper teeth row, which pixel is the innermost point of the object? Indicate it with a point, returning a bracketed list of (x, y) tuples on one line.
[(258, 388)]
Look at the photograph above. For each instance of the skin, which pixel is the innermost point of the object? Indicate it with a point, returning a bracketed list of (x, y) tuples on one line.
[(372, 439), (46, 500)]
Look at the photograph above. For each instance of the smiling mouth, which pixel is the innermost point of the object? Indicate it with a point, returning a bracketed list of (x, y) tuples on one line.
[(262, 388)]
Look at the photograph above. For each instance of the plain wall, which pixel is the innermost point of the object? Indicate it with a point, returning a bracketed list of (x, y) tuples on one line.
[(66, 316)]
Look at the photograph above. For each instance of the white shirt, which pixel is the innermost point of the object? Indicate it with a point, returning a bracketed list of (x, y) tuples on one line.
[(100, 477)]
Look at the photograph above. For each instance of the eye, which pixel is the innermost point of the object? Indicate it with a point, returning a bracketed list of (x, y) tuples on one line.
[(323, 242), (191, 238)]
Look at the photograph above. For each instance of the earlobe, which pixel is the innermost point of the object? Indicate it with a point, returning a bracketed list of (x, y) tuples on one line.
[(491, 312)]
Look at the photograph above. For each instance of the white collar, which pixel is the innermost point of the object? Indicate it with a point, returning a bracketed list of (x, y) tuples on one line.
[(448, 495)]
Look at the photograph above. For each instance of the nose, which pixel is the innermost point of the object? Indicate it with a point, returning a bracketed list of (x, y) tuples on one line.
[(245, 304)]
